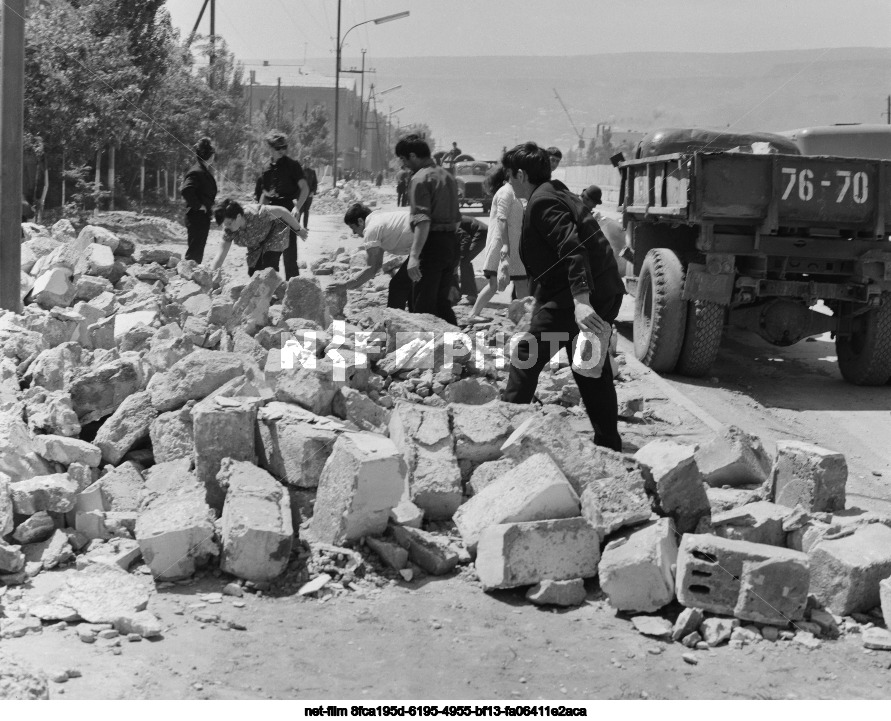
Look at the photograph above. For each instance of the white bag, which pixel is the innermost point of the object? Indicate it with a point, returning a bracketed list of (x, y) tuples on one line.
[(589, 353)]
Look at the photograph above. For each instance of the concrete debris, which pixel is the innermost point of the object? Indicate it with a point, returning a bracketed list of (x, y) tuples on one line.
[(310, 386), (6, 508), (637, 568), (172, 434), (522, 554), (535, 490), (392, 554), (687, 623), (99, 392), (423, 436), (483, 474), (884, 598), (810, 476), (878, 639), (726, 499), (38, 527), (715, 631), (20, 683), (616, 502), (432, 553), (470, 391), (102, 593), (66, 451), (53, 552), (558, 593), (406, 513), (120, 488), (652, 626), (733, 458), (256, 530), (363, 479), (128, 426), (12, 560), (55, 493), (304, 299), (846, 571), (760, 522), (144, 623), (193, 378), (357, 408), (481, 430), (676, 482)]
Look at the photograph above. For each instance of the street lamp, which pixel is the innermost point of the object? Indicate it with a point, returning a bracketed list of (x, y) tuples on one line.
[(340, 41)]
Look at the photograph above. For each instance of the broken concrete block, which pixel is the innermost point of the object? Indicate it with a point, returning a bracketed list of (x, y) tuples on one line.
[(128, 426), (98, 392), (54, 551), (55, 493), (357, 408), (760, 522), (808, 475), (485, 473), (172, 434), (310, 386), (637, 568), (194, 377), (17, 457), (558, 593), (294, 444), (12, 560), (613, 503), (406, 513), (727, 499), (55, 368), (121, 488), (256, 523), (533, 491), (735, 577), (251, 308), (578, 457), (144, 623), (223, 428), (470, 391), (845, 572), (164, 353), (6, 509), (652, 626), (392, 554), (53, 288), (175, 529), (676, 482), (102, 593), (304, 299), (481, 430), (521, 554), (363, 479), (884, 598), (424, 437), (733, 458), (51, 412), (876, 638), (65, 450), (91, 499), (687, 622), (38, 527), (432, 553), (715, 631)]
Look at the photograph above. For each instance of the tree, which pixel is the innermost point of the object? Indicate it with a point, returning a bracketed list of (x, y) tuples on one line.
[(312, 136), (421, 129)]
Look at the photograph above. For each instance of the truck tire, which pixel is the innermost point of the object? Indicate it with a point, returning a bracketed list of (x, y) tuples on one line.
[(702, 338), (660, 312), (864, 357)]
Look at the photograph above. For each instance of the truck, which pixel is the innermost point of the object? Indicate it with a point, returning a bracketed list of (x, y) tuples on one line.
[(748, 230)]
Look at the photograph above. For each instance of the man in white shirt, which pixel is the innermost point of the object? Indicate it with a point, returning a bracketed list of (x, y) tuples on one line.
[(382, 231)]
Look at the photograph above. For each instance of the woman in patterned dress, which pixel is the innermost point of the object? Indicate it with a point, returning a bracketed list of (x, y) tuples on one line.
[(262, 229)]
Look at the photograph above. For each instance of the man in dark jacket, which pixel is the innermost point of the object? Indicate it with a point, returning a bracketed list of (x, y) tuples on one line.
[(472, 240), (575, 281), (283, 183), (312, 180), (199, 190)]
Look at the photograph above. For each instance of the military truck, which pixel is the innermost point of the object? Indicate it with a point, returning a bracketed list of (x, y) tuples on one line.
[(744, 228)]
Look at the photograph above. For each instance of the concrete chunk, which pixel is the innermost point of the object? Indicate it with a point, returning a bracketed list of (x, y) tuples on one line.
[(733, 458), (354, 406), (423, 436), (363, 479), (38, 527), (251, 310), (481, 430), (129, 425), (310, 386), (55, 493), (885, 599), (676, 482), (121, 489), (100, 391), (392, 554), (760, 522), (558, 593), (6, 510), (194, 377), (637, 568), (521, 554), (223, 428), (256, 523), (66, 451), (846, 572), (485, 473), (808, 475), (101, 593), (304, 299), (172, 434), (535, 490), (742, 579), (432, 553), (613, 503)]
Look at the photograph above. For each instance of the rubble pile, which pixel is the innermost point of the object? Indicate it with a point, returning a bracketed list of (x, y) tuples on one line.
[(156, 423)]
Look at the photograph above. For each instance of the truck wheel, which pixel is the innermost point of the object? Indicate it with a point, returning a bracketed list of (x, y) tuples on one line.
[(864, 357), (660, 312), (702, 337)]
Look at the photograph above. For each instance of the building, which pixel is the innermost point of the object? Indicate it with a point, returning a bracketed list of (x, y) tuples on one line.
[(293, 90)]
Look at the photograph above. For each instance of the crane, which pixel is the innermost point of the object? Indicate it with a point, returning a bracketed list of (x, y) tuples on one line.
[(565, 110)]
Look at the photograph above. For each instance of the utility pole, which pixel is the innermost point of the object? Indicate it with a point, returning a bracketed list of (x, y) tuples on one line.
[(336, 96), (251, 99), (888, 111), (362, 112), (278, 107), (213, 31), (12, 92)]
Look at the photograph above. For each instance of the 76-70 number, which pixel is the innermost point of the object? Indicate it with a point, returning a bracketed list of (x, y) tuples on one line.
[(857, 183)]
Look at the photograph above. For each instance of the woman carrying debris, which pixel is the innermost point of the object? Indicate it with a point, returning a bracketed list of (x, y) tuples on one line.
[(502, 243), (262, 229)]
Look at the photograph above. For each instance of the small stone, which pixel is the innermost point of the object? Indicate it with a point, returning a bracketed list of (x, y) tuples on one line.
[(691, 639), (58, 676), (807, 639), (315, 585), (652, 626), (233, 589), (108, 633), (690, 658), (877, 638), (770, 633)]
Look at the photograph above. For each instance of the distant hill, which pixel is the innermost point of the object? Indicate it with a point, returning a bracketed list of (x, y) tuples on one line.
[(485, 103)]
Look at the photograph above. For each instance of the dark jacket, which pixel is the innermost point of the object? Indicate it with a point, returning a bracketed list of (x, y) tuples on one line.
[(312, 180), (280, 179), (199, 188), (560, 263)]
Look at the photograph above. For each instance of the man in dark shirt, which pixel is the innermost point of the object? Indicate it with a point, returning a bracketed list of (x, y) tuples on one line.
[(575, 281), (283, 183), (199, 190), (312, 180), (471, 241), (435, 216)]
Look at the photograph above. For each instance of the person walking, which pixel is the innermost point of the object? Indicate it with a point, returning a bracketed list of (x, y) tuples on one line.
[(471, 242), (576, 286), (502, 242), (435, 216), (312, 181), (262, 229), (199, 190), (283, 184), (402, 179)]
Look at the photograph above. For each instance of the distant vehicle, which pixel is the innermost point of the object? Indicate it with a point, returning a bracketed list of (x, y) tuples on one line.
[(472, 187), (747, 228)]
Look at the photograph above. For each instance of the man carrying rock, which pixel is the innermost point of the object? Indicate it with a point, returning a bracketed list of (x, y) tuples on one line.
[(435, 217), (382, 232), (575, 283)]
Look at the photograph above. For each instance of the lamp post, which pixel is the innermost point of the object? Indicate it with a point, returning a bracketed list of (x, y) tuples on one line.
[(389, 126), (340, 41)]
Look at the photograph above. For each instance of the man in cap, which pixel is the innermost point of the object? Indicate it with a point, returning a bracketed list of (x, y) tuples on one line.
[(283, 183), (591, 197)]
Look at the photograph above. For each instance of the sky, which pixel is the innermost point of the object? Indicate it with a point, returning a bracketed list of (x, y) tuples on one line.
[(292, 29)]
